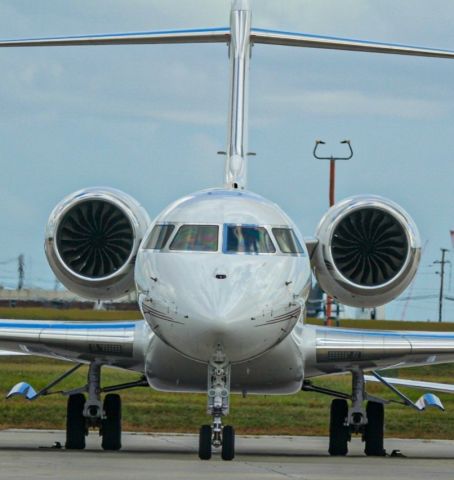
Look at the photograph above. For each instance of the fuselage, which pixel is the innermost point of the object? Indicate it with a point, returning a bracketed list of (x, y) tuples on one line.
[(223, 272)]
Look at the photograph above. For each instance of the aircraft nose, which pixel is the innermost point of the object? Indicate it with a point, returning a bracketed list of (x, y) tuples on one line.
[(244, 305), (243, 312)]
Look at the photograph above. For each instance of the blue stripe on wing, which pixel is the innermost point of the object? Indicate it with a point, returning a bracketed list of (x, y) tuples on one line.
[(368, 333), (67, 326)]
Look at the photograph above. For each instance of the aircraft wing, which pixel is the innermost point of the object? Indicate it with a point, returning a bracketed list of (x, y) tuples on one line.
[(402, 382), (119, 343), (338, 350)]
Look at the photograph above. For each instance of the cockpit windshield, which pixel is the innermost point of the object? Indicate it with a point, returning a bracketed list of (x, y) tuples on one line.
[(159, 236), (287, 240), (197, 238), (247, 239)]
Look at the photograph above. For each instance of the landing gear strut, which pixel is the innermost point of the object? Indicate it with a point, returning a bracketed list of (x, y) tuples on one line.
[(216, 435)]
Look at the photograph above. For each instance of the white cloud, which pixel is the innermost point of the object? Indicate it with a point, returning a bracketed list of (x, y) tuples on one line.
[(348, 102)]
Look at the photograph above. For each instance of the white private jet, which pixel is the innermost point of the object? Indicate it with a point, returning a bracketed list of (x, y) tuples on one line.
[(223, 276)]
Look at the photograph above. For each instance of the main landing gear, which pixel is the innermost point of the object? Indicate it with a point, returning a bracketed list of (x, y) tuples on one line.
[(88, 413), (77, 425), (340, 430), (216, 435), (83, 414), (344, 421)]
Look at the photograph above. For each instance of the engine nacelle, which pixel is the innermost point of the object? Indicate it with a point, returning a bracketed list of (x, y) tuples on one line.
[(92, 238), (368, 251)]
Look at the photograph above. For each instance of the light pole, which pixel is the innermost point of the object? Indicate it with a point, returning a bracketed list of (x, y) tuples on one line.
[(332, 166), (332, 190)]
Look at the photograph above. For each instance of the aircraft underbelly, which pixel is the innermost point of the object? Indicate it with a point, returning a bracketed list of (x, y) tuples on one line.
[(279, 371)]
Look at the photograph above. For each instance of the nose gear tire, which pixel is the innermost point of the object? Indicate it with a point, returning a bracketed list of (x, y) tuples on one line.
[(205, 442), (228, 443)]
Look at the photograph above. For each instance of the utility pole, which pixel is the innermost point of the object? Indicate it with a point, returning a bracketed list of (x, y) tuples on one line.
[(442, 262), (332, 191), (20, 271)]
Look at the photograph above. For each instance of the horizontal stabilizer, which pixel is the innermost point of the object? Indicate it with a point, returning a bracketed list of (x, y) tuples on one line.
[(295, 39), (194, 35), (23, 389)]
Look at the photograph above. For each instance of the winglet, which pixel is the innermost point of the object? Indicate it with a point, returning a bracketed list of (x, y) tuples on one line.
[(24, 389), (429, 400)]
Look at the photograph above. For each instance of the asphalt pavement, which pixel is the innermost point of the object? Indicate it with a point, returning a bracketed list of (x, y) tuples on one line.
[(35, 454)]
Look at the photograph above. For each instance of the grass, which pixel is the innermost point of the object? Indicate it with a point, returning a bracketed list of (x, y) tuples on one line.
[(145, 410)]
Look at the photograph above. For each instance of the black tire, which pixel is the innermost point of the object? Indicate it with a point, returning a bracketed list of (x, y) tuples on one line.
[(111, 424), (76, 429), (339, 433), (228, 443), (205, 442), (374, 431)]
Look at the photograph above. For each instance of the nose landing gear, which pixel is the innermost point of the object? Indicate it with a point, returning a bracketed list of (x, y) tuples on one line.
[(216, 435)]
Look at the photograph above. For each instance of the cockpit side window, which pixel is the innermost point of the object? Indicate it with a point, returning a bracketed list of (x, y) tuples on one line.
[(287, 240), (159, 236), (198, 238), (248, 239)]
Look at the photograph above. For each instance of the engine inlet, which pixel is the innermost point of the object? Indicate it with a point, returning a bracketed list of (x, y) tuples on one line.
[(369, 247), (95, 238)]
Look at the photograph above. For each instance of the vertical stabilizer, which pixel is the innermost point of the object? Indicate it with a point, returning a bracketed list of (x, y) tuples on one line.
[(236, 161)]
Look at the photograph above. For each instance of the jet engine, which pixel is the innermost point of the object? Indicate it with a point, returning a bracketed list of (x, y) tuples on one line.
[(92, 238), (368, 251)]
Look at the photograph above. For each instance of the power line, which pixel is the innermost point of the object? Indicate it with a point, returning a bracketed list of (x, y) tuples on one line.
[(442, 262), (417, 297)]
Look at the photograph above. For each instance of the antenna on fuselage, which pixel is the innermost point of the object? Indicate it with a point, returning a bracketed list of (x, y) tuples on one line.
[(240, 49)]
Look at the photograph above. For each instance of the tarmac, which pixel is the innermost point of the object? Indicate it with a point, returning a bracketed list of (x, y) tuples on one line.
[(35, 454)]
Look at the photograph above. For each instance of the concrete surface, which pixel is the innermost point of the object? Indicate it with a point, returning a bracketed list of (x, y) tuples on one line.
[(28, 454)]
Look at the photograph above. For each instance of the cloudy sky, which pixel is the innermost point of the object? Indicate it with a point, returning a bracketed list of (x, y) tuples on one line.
[(149, 119)]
